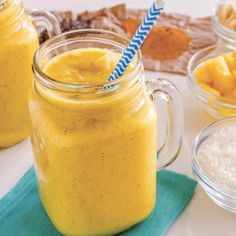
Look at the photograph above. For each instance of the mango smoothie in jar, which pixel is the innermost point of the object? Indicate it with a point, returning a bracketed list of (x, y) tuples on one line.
[(18, 43), (95, 143)]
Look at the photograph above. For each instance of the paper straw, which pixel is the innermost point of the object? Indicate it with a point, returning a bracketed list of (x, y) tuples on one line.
[(138, 39)]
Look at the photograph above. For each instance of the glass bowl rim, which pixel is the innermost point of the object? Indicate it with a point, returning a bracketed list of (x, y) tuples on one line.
[(219, 100), (221, 30), (223, 190)]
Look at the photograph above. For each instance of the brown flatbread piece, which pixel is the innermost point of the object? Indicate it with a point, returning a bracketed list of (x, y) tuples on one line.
[(169, 46)]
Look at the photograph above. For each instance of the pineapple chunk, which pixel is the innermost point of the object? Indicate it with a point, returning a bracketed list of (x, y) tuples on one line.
[(209, 89), (202, 74), (228, 95), (223, 80), (232, 94), (234, 73), (230, 60), (233, 54)]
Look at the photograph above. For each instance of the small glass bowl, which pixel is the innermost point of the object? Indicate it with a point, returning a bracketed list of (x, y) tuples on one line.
[(225, 34), (222, 196), (217, 106)]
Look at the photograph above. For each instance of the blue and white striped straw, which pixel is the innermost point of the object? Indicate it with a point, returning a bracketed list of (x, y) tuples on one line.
[(138, 39)]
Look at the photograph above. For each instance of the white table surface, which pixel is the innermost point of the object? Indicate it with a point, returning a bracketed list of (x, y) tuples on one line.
[(201, 217)]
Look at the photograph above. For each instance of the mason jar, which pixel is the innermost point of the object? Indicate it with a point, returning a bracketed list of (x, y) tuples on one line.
[(95, 145), (18, 43)]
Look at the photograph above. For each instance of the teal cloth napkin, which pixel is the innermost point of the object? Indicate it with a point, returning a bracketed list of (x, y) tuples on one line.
[(21, 212)]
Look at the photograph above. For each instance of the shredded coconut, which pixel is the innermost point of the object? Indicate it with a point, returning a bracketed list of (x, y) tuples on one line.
[(217, 157)]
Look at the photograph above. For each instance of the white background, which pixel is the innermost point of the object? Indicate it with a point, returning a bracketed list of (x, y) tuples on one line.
[(201, 217)]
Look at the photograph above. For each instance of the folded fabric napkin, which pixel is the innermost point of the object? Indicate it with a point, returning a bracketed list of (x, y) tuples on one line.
[(22, 214)]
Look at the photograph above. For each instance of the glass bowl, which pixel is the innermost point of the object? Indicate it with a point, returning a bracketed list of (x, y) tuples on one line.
[(217, 106), (225, 34), (222, 196)]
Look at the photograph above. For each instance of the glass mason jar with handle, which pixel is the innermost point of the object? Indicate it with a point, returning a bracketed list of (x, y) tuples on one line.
[(18, 43), (95, 145)]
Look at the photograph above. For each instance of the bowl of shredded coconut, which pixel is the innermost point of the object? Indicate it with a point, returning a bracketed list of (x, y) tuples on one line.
[(214, 162)]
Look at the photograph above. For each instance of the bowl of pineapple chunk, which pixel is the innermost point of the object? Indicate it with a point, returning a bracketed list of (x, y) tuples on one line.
[(212, 79)]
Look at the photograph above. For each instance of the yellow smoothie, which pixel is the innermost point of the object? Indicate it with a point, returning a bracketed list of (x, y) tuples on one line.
[(95, 155), (18, 42)]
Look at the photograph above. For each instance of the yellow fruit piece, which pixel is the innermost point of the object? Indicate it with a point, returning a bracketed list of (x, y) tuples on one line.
[(231, 95), (202, 74), (233, 54), (223, 80), (228, 95), (233, 73), (230, 60), (209, 89)]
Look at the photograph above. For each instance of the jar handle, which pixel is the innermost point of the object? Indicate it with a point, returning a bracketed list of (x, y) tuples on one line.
[(164, 90), (47, 20)]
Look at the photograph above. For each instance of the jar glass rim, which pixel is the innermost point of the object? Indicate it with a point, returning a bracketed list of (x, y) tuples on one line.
[(47, 80), (11, 13), (10, 6)]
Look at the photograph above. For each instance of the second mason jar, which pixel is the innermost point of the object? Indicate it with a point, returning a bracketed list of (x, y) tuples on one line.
[(95, 142), (18, 43)]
